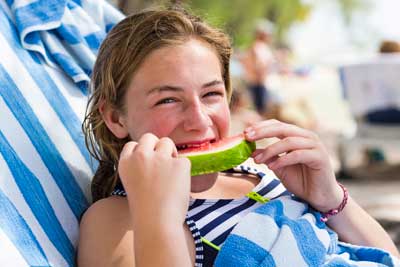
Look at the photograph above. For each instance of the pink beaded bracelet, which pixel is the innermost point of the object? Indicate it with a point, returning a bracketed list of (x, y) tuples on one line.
[(326, 215)]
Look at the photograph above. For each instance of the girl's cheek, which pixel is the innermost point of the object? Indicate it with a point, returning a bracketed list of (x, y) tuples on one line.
[(225, 114), (163, 125)]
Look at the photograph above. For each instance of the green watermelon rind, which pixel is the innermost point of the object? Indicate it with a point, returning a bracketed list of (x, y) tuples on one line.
[(221, 160)]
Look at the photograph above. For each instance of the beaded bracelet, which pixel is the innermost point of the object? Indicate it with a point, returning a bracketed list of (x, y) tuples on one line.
[(326, 215)]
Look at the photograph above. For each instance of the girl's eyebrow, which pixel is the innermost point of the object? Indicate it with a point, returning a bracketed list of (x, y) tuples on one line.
[(212, 83), (163, 88)]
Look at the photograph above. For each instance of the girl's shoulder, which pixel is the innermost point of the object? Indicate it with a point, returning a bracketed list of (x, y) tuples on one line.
[(111, 212), (112, 206), (105, 226)]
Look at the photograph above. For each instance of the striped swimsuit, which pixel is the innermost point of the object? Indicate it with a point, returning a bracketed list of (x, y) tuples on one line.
[(211, 221)]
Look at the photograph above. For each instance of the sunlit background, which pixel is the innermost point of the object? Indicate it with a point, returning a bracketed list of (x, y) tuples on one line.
[(339, 30), (315, 41)]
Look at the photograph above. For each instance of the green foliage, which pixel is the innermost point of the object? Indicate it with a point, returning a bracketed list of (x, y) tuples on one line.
[(238, 17), (349, 6)]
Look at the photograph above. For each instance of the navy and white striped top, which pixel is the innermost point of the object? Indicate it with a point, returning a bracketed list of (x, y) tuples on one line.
[(214, 219)]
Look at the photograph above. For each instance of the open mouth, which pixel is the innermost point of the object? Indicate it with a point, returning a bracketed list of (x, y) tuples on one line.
[(195, 145)]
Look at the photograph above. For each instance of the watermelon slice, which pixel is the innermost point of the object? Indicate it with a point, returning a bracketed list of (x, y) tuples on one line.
[(218, 156)]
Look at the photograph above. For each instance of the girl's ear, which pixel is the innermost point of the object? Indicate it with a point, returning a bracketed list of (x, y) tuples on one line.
[(113, 120)]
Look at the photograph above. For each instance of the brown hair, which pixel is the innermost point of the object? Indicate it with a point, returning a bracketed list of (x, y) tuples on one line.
[(120, 55), (388, 46)]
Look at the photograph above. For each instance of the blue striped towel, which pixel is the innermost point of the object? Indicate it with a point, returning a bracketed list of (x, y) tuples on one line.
[(66, 33), (286, 232), (47, 49)]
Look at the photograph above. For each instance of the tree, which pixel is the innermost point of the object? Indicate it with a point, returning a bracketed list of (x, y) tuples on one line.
[(239, 17), (348, 7)]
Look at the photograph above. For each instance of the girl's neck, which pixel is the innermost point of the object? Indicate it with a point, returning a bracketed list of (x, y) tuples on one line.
[(222, 186), (204, 182)]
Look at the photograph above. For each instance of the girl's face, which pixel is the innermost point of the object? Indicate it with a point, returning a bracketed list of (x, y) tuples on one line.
[(178, 92)]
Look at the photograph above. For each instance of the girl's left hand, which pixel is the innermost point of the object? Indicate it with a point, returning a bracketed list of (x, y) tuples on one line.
[(300, 161)]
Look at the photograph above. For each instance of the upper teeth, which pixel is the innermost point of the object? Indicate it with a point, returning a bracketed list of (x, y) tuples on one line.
[(192, 145)]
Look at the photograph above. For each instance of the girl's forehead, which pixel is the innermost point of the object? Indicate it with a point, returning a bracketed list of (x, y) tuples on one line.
[(193, 62), (186, 52)]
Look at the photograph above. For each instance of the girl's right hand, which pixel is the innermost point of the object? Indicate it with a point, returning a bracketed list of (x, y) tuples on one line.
[(156, 181)]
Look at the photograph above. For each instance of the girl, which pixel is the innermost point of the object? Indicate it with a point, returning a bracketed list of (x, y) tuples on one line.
[(161, 81)]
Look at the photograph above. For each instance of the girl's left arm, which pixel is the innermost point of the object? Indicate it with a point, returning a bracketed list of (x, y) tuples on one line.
[(354, 225), (302, 163)]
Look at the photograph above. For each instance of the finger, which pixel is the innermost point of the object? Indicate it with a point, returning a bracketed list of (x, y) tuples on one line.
[(267, 162), (274, 128), (185, 164), (147, 143), (256, 152), (285, 145), (167, 146), (127, 149), (309, 157), (259, 151), (266, 123), (277, 129)]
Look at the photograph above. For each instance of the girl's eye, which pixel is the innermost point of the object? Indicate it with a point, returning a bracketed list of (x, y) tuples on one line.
[(213, 93), (165, 101)]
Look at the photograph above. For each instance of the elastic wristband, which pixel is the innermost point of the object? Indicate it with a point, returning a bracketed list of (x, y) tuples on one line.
[(326, 215)]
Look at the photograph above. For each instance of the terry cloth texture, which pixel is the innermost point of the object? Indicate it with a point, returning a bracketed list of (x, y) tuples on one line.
[(47, 50), (286, 232)]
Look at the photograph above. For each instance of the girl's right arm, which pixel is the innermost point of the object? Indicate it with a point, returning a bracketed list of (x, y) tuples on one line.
[(157, 183)]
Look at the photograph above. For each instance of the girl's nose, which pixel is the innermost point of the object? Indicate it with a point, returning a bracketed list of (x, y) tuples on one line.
[(196, 118)]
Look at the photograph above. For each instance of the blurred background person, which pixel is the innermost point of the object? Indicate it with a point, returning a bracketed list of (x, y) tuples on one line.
[(257, 62), (241, 112), (387, 111)]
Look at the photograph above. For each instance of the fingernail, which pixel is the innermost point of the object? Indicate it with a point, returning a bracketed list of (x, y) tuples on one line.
[(248, 129), (271, 166), (250, 133), (258, 158)]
